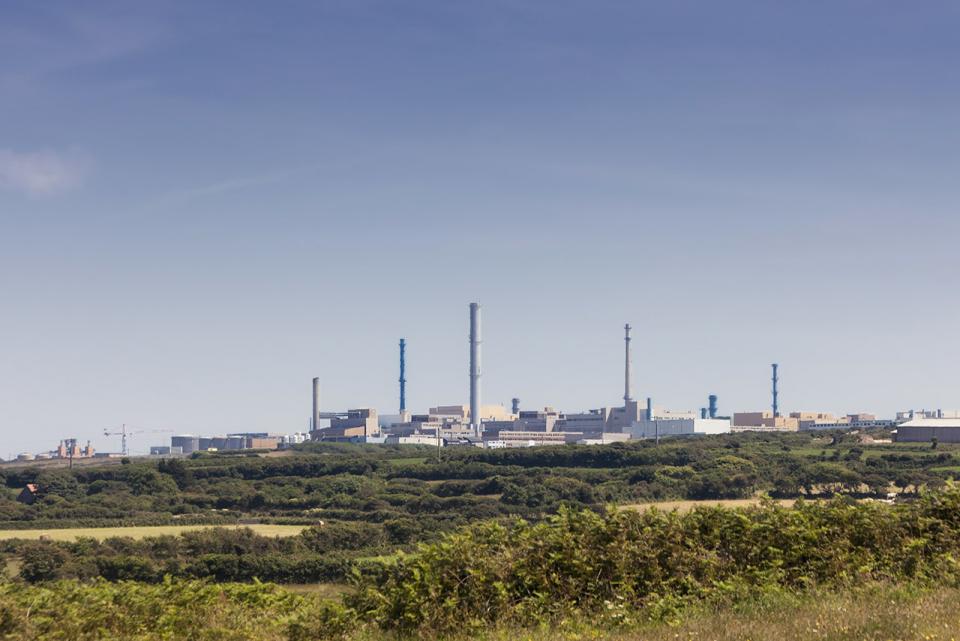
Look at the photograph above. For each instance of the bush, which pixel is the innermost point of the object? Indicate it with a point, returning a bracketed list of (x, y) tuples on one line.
[(579, 561)]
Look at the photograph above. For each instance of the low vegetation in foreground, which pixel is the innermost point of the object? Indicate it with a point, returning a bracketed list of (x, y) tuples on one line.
[(495, 544), (374, 501), (130, 611), (831, 570)]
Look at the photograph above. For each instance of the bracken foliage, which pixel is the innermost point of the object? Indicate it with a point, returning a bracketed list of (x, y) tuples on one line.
[(579, 563)]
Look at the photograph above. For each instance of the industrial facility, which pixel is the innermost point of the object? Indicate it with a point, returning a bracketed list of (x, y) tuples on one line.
[(188, 443), (929, 426), (494, 426)]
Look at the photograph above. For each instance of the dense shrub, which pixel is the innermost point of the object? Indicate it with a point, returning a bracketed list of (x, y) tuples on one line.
[(578, 561), (71, 611)]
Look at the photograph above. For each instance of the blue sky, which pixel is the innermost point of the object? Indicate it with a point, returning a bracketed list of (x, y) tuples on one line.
[(203, 205)]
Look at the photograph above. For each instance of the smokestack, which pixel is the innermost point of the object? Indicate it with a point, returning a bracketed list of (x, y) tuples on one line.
[(315, 418), (776, 405), (403, 379), (649, 409), (713, 405), (703, 412), (475, 341), (627, 397), (515, 405)]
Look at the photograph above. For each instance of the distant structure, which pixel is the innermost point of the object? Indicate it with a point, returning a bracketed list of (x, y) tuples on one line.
[(188, 443), (943, 429), (812, 421), (764, 421), (912, 414), (475, 340), (627, 394), (315, 417), (493, 426), (776, 379), (677, 424), (70, 449), (403, 378)]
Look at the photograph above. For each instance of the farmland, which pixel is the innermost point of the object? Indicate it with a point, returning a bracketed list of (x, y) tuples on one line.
[(686, 506), (366, 536)]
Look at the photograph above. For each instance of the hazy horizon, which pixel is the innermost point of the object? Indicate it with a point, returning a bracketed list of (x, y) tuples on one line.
[(202, 206)]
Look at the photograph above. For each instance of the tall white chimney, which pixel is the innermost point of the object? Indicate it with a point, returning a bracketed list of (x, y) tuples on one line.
[(628, 365), (315, 418), (475, 367)]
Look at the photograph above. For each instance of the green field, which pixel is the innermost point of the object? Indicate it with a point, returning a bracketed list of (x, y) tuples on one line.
[(686, 506), (138, 532)]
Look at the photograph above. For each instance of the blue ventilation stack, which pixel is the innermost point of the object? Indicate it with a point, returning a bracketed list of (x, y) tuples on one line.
[(649, 409), (703, 412), (776, 392), (515, 402), (713, 406), (403, 378)]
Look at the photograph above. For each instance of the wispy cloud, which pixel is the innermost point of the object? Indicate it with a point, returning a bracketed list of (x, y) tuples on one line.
[(40, 173)]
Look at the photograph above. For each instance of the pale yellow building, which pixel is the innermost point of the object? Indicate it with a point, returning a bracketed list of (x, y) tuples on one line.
[(766, 419)]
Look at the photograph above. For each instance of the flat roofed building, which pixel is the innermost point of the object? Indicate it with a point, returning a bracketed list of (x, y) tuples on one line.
[(353, 423), (462, 412), (849, 422), (912, 414), (592, 422), (530, 439), (945, 430), (186, 442), (678, 427), (419, 439), (606, 439), (765, 419), (813, 416)]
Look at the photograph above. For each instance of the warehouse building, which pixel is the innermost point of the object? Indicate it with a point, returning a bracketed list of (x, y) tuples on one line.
[(945, 430), (848, 422), (664, 427)]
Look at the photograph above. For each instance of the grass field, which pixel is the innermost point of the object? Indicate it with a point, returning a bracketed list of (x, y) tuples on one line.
[(100, 533), (877, 613), (322, 590), (686, 506)]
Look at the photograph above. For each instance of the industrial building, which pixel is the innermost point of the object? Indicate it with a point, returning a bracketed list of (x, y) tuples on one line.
[(849, 422), (508, 438), (188, 443), (765, 420), (70, 449), (944, 430), (605, 439), (495, 426), (912, 414), (666, 427)]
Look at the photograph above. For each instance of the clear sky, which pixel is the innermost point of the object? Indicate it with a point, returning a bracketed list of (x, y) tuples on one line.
[(205, 204)]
